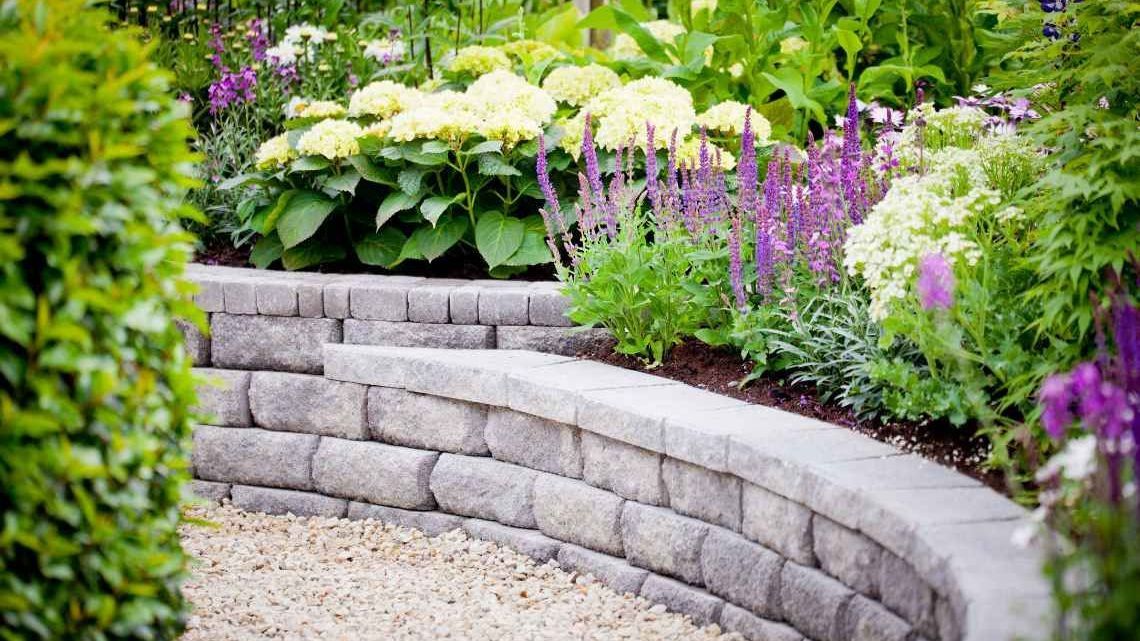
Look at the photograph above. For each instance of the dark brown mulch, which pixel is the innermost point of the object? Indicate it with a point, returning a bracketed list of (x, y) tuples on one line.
[(720, 371)]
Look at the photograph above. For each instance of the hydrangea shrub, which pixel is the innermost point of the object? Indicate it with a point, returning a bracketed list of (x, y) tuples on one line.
[(95, 388)]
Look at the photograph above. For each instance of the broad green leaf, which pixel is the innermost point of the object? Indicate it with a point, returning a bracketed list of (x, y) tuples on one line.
[(314, 252), (645, 40), (426, 159), (498, 237), (395, 202), (381, 248), (344, 183), (557, 26), (269, 221), (410, 180), (391, 153), (494, 165), (410, 250), (267, 249), (310, 163), (434, 147), (432, 208), (487, 146), (532, 251), (303, 216), (369, 170), (792, 83), (432, 242)]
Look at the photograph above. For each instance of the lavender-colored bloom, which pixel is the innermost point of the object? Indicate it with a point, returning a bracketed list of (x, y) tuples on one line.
[(218, 47), (746, 172), (852, 161), (736, 267), (596, 193), (1020, 110), (935, 282), (1056, 397), (232, 88), (552, 211), (652, 188), (258, 41)]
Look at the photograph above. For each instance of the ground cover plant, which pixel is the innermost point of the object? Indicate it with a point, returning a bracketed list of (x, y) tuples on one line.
[(95, 387)]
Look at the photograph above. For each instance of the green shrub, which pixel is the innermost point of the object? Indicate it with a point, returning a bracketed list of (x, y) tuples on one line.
[(95, 390)]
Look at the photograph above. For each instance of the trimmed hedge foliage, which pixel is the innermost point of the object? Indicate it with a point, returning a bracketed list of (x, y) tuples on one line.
[(95, 388)]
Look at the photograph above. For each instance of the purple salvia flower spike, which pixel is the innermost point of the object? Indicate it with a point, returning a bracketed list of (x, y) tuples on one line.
[(652, 188)]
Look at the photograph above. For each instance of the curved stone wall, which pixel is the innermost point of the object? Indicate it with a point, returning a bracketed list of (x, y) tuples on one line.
[(768, 523)]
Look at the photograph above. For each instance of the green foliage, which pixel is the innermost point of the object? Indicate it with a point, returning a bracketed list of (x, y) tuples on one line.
[(95, 387), (635, 288), (396, 202), (1088, 200)]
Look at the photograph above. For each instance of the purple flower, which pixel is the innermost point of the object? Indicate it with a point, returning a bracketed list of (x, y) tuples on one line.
[(746, 172), (596, 192), (652, 188), (852, 162), (736, 267), (258, 41), (218, 47), (1020, 110), (935, 282), (1056, 397)]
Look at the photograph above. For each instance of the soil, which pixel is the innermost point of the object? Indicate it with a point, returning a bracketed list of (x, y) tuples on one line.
[(721, 370)]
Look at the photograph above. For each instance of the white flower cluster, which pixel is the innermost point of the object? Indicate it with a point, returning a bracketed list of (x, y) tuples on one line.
[(274, 153), (386, 51), (930, 130), (619, 115), (727, 119), (497, 106), (577, 85), (530, 51), (383, 99), (304, 108), (917, 217), (478, 60), (301, 41), (332, 139), (689, 154)]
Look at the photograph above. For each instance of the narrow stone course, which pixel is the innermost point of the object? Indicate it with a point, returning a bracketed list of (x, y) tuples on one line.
[(529, 542), (309, 404), (274, 501), (813, 602), (660, 540), (615, 572), (374, 473), (486, 489), (426, 422), (572, 511), (431, 523), (703, 607), (251, 456), (273, 343)]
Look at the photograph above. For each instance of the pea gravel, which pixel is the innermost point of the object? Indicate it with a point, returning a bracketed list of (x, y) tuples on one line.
[(283, 577)]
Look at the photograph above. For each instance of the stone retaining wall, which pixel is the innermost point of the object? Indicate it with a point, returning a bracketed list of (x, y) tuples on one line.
[(272, 320), (767, 523)]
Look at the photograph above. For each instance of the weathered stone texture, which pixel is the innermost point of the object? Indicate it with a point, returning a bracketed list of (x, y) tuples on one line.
[(223, 397), (309, 404), (533, 544), (777, 523), (626, 470), (572, 511), (534, 442), (742, 572), (697, 492), (427, 422), (374, 473), (663, 541), (430, 523), (253, 457), (272, 501), (485, 488), (275, 343), (617, 573)]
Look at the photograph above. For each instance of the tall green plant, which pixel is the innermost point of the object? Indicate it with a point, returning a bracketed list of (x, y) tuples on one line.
[(95, 387)]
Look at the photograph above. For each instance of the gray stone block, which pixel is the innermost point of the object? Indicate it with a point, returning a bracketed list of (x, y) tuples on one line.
[(273, 343), (639, 419), (276, 298), (368, 365), (777, 523), (430, 523), (240, 296), (572, 511), (374, 473), (464, 305), (381, 298), (660, 540), (485, 488), (479, 376), (431, 303), (846, 555), (753, 628), (612, 571), (865, 620), (703, 494), (271, 501), (396, 334), (310, 404), (335, 298), (552, 391), (210, 491), (533, 544), (905, 593), (534, 442), (196, 343), (504, 306), (548, 305), (253, 457), (948, 622), (567, 341), (742, 572), (813, 602), (209, 297), (311, 299), (628, 471), (223, 397), (427, 422), (703, 607)]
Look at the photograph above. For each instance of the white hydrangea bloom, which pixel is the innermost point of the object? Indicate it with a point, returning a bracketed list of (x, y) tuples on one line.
[(332, 139), (383, 99), (727, 118), (620, 115), (508, 108), (437, 116), (530, 50), (316, 109), (478, 60), (689, 154), (576, 85), (274, 152)]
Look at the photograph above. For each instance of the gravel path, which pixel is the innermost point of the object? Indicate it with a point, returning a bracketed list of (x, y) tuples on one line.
[(274, 577)]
